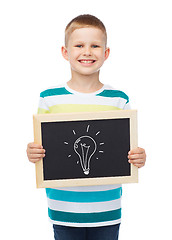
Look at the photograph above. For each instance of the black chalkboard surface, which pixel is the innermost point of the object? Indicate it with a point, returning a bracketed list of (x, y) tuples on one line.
[(86, 148)]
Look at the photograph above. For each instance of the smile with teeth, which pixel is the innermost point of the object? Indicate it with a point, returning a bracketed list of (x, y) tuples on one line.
[(86, 61)]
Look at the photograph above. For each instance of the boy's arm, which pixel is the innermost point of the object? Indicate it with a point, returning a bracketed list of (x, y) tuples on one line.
[(35, 151), (137, 157)]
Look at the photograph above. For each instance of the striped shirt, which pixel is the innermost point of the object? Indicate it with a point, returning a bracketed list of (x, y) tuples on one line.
[(86, 206)]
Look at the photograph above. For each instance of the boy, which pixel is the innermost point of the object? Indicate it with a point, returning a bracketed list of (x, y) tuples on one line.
[(93, 212)]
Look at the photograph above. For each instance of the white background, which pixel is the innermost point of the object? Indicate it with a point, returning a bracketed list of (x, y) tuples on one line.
[(140, 64)]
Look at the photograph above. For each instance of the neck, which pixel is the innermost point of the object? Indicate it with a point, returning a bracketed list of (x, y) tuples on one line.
[(84, 83)]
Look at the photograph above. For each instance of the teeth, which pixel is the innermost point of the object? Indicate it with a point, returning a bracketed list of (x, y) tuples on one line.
[(86, 61)]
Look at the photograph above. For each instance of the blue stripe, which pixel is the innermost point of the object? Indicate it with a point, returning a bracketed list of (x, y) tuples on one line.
[(72, 196), (54, 91), (113, 93), (84, 217)]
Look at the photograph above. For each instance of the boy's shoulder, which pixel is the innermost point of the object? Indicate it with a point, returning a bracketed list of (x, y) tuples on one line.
[(110, 91), (55, 90)]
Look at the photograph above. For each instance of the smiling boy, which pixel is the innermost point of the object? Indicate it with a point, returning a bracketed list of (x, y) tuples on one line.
[(86, 51), (91, 212)]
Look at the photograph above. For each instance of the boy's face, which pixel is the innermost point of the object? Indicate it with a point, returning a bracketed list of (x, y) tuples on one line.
[(86, 50)]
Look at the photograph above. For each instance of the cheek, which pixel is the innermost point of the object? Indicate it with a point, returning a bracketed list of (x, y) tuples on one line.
[(101, 55), (101, 58), (73, 55)]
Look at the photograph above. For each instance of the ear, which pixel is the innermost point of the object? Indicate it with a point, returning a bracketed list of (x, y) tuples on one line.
[(107, 52), (64, 53)]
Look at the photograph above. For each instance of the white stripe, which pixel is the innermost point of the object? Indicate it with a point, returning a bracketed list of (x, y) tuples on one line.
[(97, 224), (91, 188), (93, 100), (84, 207)]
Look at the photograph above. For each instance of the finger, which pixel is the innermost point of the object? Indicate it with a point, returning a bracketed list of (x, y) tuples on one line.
[(136, 161), (137, 150), (136, 156), (34, 145), (138, 165), (36, 156), (36, 151), (35, 160)]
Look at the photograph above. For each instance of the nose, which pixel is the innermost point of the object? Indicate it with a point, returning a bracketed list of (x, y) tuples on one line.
[(87, 51)]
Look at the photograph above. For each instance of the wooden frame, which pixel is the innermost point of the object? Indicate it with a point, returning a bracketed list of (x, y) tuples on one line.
[(62, 117)]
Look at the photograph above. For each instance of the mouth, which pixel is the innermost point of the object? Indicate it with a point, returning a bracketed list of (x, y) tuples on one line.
[(87, 61)]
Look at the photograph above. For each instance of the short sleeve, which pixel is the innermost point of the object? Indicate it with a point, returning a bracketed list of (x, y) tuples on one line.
[(42, 107), (127, 106)]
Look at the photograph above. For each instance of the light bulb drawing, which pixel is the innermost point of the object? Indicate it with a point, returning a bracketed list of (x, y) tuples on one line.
[(85, 147)]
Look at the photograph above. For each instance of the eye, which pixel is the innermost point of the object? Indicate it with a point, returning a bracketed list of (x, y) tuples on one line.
[(79, 46), (95, 46)]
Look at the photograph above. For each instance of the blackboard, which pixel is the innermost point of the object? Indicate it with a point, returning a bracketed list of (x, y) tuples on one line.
[(86, 148)]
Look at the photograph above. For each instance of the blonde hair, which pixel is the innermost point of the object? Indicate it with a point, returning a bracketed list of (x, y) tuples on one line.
[(82, 21)]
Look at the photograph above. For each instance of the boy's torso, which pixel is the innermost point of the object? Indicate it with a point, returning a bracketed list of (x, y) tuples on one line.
[(83, 206)]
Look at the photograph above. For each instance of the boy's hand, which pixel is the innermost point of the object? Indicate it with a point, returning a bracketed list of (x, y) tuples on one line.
[(137, 157), (35, 152)]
